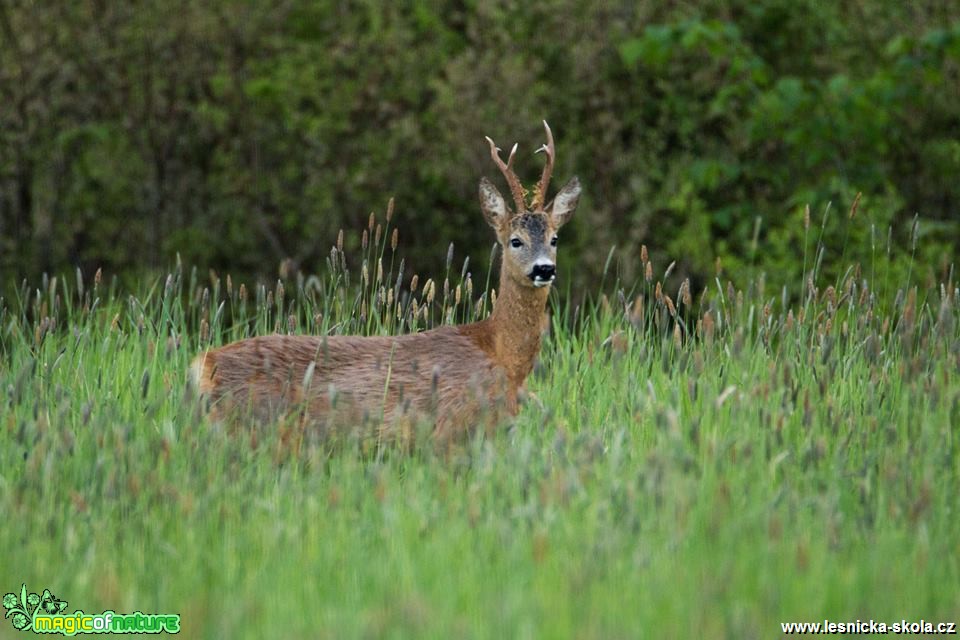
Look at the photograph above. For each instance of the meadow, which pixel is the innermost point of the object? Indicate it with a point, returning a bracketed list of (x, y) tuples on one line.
[(695, 463)]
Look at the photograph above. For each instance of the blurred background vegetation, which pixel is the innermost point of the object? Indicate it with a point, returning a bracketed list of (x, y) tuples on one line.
[(242, 134)]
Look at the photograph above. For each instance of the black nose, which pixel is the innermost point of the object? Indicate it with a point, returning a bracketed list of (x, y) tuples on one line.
[(544, 271)]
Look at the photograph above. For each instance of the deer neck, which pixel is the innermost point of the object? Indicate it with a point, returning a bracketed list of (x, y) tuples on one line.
[(516, 324)]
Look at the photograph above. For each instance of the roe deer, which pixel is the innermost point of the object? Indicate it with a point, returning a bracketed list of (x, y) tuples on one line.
[(455, 377)]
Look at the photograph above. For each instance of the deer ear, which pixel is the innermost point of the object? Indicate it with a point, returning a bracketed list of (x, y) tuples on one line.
[(565, 203), (492, 204)]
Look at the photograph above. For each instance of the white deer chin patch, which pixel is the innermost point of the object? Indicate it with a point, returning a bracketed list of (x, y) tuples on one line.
[(543, 282)]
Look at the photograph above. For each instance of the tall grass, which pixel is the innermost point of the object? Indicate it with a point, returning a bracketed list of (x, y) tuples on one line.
[(696, 464)]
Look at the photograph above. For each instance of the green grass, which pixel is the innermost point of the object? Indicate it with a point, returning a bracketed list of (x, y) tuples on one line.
[(748, 463)]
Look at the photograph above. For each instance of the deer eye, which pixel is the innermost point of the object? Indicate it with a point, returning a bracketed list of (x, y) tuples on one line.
[(553, 241), (516, 243)]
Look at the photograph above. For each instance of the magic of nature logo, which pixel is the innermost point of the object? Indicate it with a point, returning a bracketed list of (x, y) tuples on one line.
[(44, 613)]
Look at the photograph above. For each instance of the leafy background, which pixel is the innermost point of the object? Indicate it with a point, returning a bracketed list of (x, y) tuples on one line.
[(242, 135)]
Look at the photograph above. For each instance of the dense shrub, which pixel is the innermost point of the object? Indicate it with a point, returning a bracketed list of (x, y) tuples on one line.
[(240, 136)]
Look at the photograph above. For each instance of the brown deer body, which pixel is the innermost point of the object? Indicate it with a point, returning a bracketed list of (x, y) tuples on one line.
[(455, 377)]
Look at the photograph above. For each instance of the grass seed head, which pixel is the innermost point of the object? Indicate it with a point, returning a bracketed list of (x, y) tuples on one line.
[(669, 270), (830, 295), (855, 205), (708, 326), (637, 312), (684, 294)]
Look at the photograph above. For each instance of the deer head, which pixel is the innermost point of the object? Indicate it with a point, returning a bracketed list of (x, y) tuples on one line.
[(528, 234)]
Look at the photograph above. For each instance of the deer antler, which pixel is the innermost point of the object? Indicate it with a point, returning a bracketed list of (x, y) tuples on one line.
[(540, 191), (507, 170)]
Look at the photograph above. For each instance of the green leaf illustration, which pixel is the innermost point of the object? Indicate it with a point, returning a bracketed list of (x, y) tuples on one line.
[(20, 609)]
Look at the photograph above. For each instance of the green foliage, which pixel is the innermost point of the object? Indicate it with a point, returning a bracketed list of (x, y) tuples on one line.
[(240, 136), (767, 136)]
